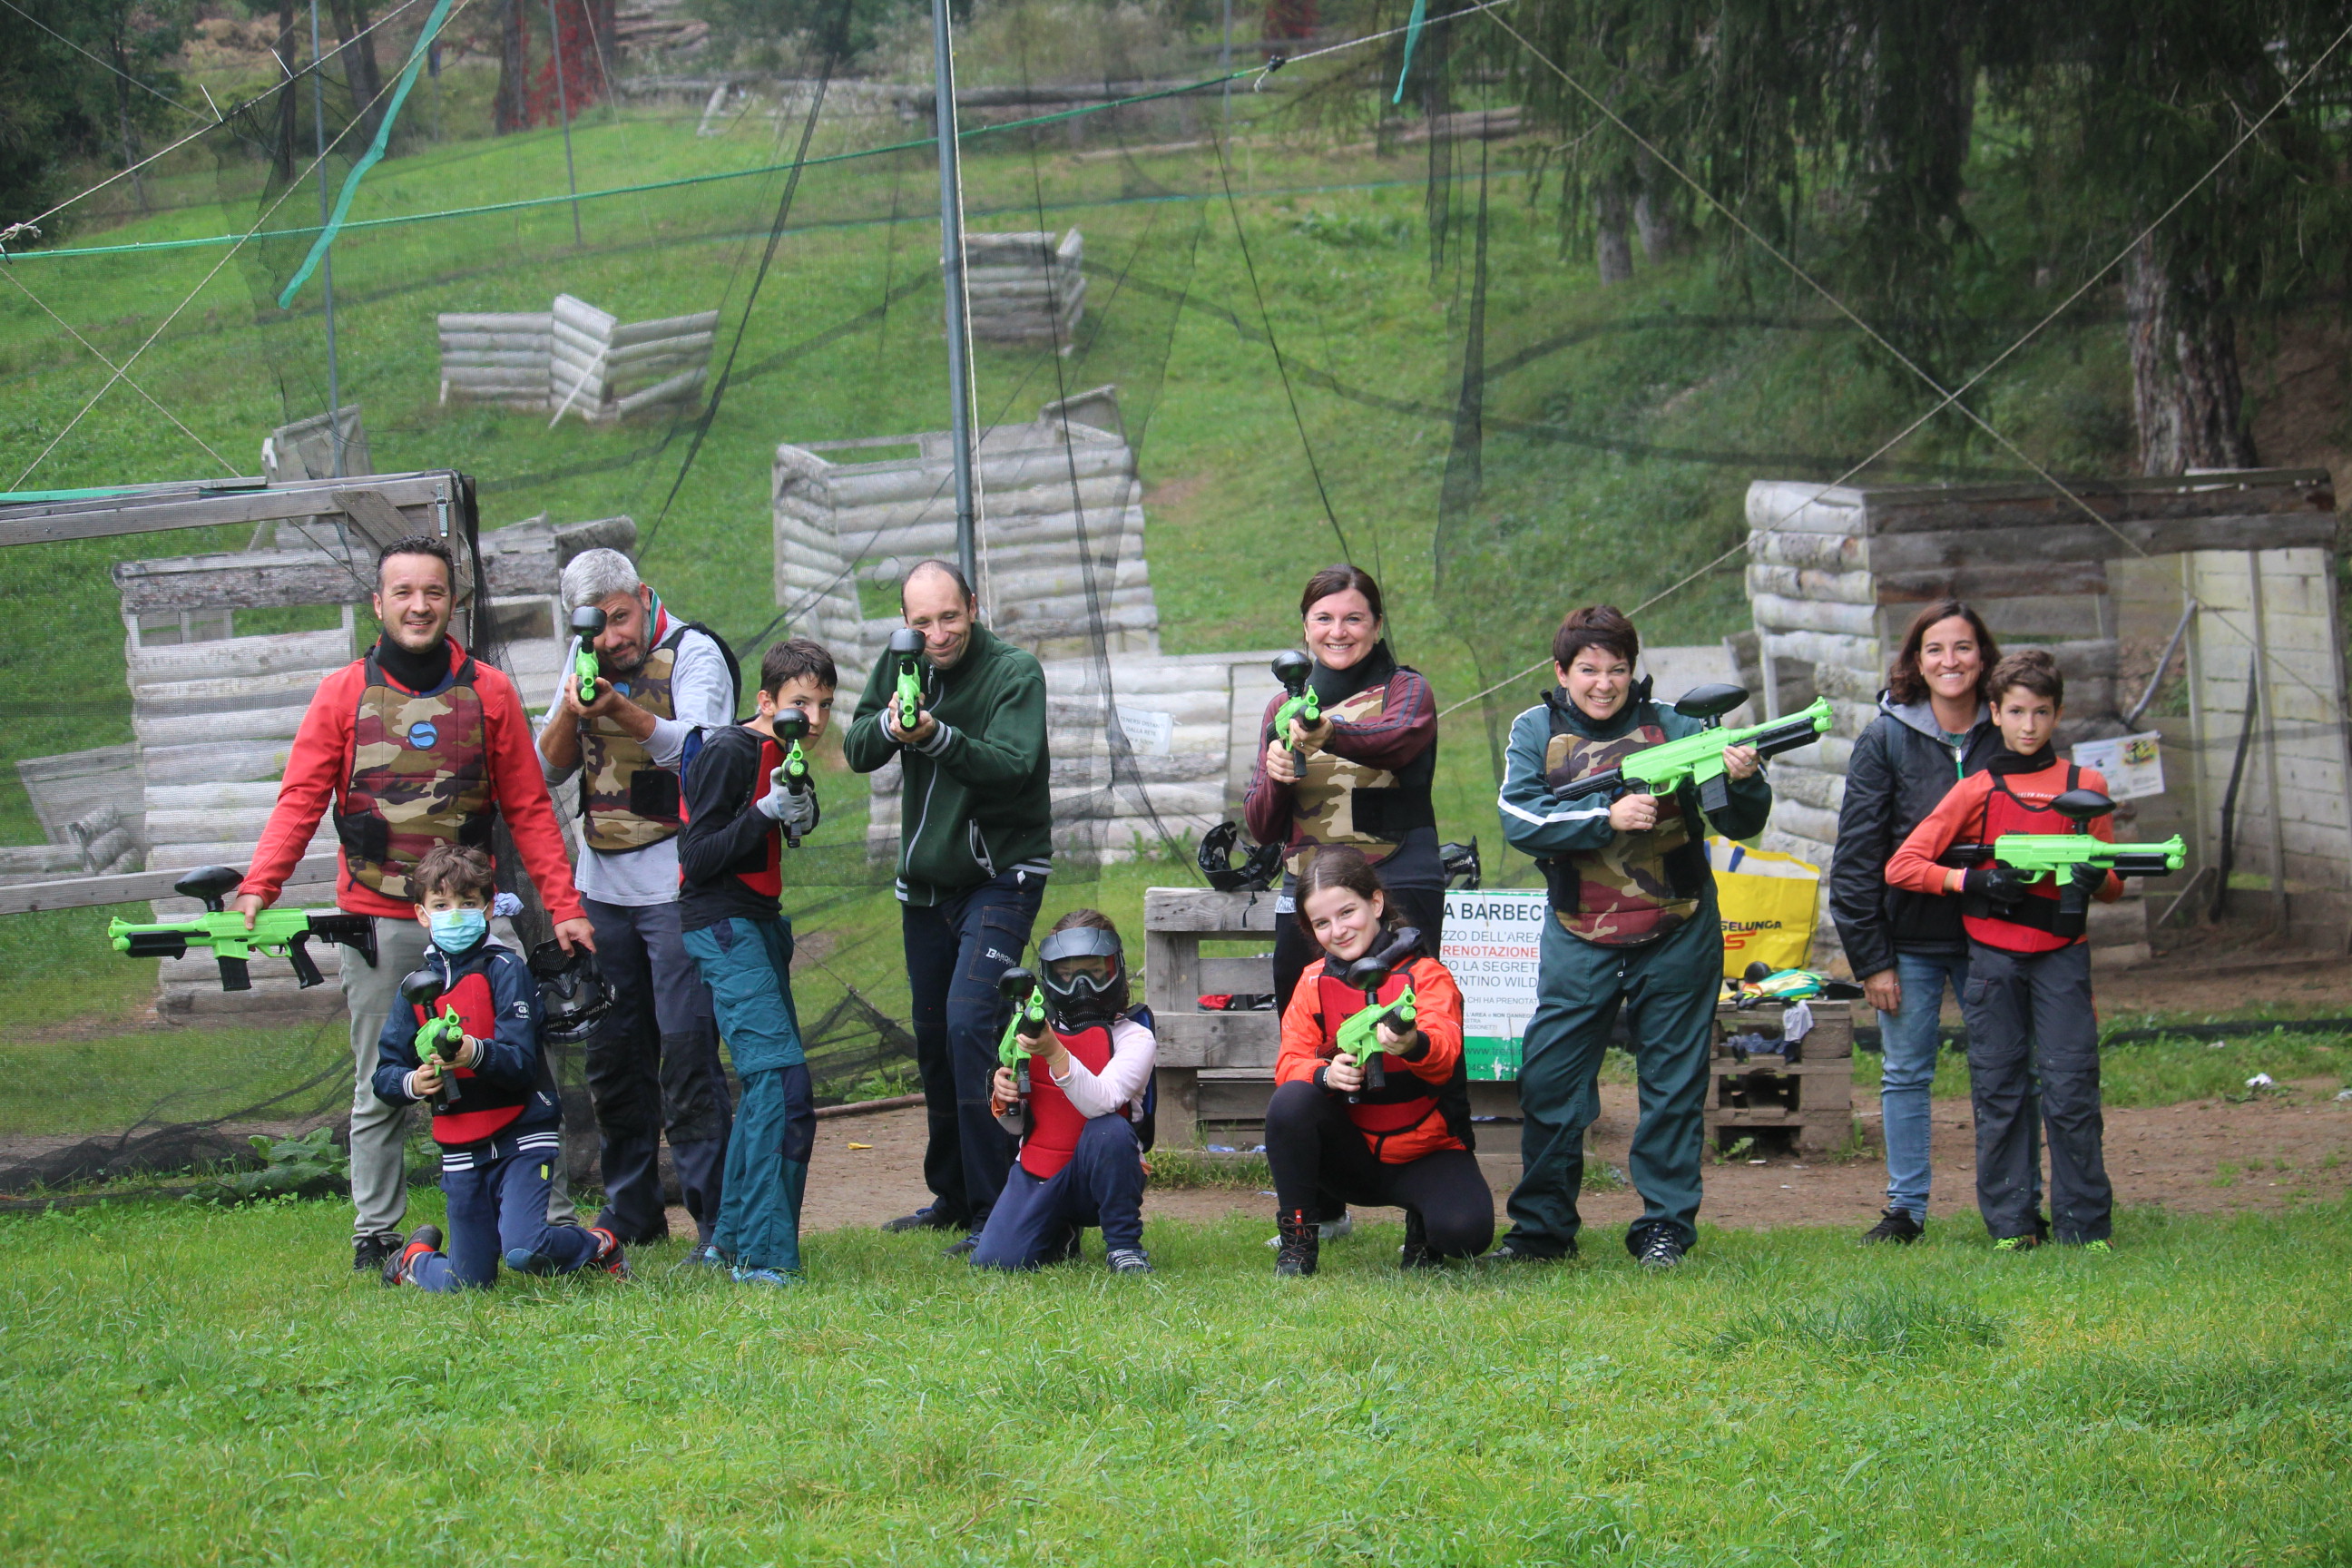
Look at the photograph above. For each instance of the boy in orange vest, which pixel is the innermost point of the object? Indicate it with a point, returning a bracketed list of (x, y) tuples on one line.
[(1081, 1161), (499, 1133), (2028, 1001)]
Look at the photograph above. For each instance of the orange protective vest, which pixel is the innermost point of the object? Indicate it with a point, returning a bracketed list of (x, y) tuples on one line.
[(1409, 1100)]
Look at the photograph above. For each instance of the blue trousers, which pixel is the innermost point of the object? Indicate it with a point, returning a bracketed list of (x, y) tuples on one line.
[(498, 1205), (956, 950), (748, 965), (1037, 1219)]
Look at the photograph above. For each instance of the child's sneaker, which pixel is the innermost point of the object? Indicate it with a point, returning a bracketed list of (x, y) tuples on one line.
[(1129, 1260), (609, 1256), (423, 1242), (773, 1279), (706, 1256)]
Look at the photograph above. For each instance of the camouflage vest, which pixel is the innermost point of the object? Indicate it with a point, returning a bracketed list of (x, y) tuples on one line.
[(629, 802), (1341, 801), (420, 776), (1639, 887)]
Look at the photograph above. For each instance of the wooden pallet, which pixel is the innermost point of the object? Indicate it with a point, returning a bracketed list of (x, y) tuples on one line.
[(1812, 1096)]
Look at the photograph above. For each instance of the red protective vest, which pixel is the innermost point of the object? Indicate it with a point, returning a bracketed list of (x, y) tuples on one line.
[(1054, 1123), (477, 1109), (2026, 929), (769, 880), (1409, 1100)]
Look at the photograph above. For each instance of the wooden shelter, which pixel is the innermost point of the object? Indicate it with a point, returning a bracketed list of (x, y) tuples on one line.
[(2238, 562)]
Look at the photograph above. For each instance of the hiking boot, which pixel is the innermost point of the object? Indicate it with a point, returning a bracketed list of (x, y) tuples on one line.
[(1300, 1243), (772, 1279), (926, 1218), (1661, 1248), (1327, 1229), (1415, 1253), (371, 1251), (1129, 1260), (2026, 1243), (423, 1242), (1895, 1225)]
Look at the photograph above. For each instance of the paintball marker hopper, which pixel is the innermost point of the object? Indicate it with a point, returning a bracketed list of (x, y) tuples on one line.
[(906, 660), (1295, 670), (792, 727), (1368, 974), (439, 1035)]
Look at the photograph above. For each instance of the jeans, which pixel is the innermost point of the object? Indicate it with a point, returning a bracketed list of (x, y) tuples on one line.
[(956, 950), (652, 1068), (1037, 1218), (1907, 1077)]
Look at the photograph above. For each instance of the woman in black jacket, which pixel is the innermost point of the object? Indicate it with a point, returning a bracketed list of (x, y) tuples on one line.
[(1933, 729)]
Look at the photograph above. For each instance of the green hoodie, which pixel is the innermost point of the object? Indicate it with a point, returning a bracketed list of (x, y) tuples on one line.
[(977, 801)]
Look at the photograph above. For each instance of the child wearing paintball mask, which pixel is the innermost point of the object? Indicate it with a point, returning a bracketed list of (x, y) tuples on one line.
[(1088, 1072), (498, 1128)]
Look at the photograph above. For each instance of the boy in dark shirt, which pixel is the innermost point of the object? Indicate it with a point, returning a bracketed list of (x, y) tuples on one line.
[(499, 1131), (739, 805)]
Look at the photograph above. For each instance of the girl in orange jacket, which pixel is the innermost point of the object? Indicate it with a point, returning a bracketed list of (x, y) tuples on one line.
[(1386, 1125)]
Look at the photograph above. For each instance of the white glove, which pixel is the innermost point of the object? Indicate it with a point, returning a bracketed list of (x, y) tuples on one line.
[(797, 812)]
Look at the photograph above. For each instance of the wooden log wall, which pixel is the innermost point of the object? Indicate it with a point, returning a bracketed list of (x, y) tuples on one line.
[(575, 359), (1835, 575), (1025, 288), (496, 358)]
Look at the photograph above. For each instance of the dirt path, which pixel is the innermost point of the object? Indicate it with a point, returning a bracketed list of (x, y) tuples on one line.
[(2203, 1157)]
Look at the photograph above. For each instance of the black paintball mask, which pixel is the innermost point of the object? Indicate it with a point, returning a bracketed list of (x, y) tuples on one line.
[(1077, 998), (573, 998)]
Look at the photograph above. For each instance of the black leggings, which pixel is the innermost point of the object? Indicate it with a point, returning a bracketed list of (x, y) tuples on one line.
[(1317, 1155)]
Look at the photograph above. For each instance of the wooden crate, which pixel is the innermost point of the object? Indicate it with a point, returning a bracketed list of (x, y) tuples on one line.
[(1812, 1096), (1176, 921)]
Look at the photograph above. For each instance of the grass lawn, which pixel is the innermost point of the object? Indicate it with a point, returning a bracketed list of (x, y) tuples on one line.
[(193, 1386)]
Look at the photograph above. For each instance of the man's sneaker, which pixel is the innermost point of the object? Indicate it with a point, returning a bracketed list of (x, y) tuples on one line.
[(925, 1218), (772, 1279), (1509, 1254), (1895, 1225), (2026, 1243), (1325, 1230), (964, 1248), (1300, 1243), (423, 1242), (1415, 1253), (1662, 1248), (1129, 1260), (370, 1251), (2099, 1248)]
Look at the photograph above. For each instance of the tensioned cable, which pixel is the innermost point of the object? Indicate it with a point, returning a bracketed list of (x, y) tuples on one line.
[(98, 355), (1225, 176), (1948, 398), (124, 370), (291, 76)]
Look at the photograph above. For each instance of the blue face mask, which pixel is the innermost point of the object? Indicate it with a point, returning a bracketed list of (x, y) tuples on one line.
[(455, 930)]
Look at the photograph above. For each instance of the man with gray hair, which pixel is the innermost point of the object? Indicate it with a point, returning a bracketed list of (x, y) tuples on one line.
[(653, 1068)]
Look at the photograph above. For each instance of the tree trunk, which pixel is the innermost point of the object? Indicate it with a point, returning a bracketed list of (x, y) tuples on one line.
[(360, 69), (290, 102), (514, 68), (1659, 227), (1614, 252), (2188, 403)]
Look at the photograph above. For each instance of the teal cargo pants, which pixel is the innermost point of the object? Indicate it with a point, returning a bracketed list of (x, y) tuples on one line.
[(1668, 991)]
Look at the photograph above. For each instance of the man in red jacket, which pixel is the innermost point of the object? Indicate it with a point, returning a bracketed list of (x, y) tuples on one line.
[(415, 745)]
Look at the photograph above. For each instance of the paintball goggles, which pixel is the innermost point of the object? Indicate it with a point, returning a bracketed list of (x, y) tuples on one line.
[(1295, 670), (440, 1037), (587, 626), (1257, 871), (1020, 987), (1761, 982), (283, 933), (907, 661), (1663, 770), (573, 995), (1360, 1035), (2040, 855)]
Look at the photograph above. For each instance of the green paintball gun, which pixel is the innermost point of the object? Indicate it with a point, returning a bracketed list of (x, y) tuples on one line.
[(2040, 855), (441, 1036), (907, 659), (1294, 670), (1663, 770), (285, 933), (1359, 1037), (792, 727), (1020, 987), (587, 626)]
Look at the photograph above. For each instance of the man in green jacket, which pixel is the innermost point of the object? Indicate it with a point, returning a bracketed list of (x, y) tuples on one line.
[(975, 843)]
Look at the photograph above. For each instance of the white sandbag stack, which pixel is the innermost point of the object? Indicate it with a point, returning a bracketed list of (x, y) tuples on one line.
[(1025, 288)]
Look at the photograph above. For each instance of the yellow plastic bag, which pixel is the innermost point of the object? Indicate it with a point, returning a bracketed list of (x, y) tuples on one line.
[(1769, 905)]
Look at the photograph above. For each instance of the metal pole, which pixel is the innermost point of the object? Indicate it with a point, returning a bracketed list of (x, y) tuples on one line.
[(327, 261), (564, 106), (1225, 63), (952, 275)]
